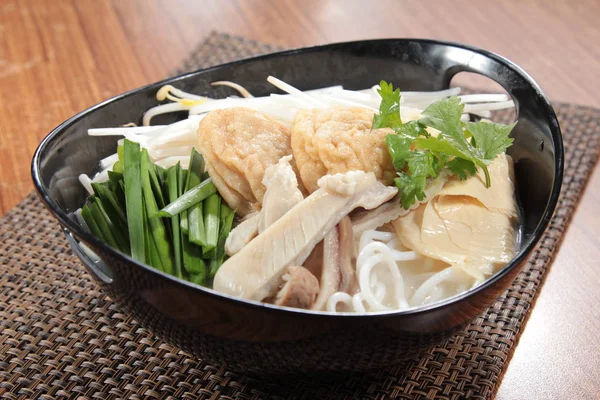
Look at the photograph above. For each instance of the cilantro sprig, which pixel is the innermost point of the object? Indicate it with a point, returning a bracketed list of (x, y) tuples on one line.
[(418, 156)]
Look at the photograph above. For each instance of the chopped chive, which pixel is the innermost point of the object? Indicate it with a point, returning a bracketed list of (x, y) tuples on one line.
[(121, 153), (226, 224), (183, 216), (212, 211), (89, 221), (198, 279), (189, 198), (193, 178), (173, 174), (115, 176), (155, 223), (157, 181), (196, 230), (118, 167), (133, 199), (116, 179), (111, 204), (106, 226), (153, 254), (193, 262), (225, 210), (196, 167), (183, 222), (191, 254)]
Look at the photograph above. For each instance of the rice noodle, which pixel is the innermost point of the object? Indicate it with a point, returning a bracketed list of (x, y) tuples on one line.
[(391, 277)]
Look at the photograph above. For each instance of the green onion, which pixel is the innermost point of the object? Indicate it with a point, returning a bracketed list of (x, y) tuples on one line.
[(156, 179), (194, 178), (212, 208), (115, 177), (111, 204), (198, 279), (133, 199), (173, 175), (189, 198), (196, 231), (117, 187), (227, 216), (89, 221), (155, 223), (106, 226), (127, 211), (183, 222), (118, 167)]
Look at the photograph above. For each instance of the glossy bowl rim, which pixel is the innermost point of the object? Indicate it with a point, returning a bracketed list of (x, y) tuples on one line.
[(523, 253)]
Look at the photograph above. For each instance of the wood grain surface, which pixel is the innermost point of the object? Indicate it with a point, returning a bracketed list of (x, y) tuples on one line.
[(59, 57)]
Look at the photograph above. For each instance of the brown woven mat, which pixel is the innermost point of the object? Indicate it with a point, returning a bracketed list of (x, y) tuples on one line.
[(61, 337)]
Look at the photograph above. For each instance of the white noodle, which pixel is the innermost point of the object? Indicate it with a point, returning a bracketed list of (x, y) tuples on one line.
[(339, 298), (427, 290)]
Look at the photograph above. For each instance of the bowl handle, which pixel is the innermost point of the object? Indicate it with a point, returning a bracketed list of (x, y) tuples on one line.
[(90, 259), (528, 97)]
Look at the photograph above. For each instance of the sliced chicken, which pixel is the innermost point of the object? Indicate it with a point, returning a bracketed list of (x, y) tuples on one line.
[(364, 220), (281, 195), (252, 272), (339, 258), (466, 223), (242, 234), (300, 288), (337, 140), (239, 144)]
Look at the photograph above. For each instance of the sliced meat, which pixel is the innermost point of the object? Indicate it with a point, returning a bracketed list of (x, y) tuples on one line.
[(291, 238), (299, 290), (339, 255), (281, 195), (364, 220), (241, 235), (337, 140), (239, 144)]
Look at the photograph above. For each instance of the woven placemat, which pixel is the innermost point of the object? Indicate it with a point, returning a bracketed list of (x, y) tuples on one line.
[(61, 337)]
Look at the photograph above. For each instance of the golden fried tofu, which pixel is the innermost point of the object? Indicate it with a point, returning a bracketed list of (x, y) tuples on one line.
[(337, 140), (238, 145)]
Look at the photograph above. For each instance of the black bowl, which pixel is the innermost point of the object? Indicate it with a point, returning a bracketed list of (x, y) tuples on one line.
[(261, 338)]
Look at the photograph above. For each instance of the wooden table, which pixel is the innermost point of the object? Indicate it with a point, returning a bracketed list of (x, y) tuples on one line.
[(59, 57)]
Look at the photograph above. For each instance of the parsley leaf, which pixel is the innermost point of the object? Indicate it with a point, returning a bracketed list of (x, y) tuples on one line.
[(389, 108), (418, 156), (413, 184), (490, 139), (462, 168), (399, 149), (444, 115)]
